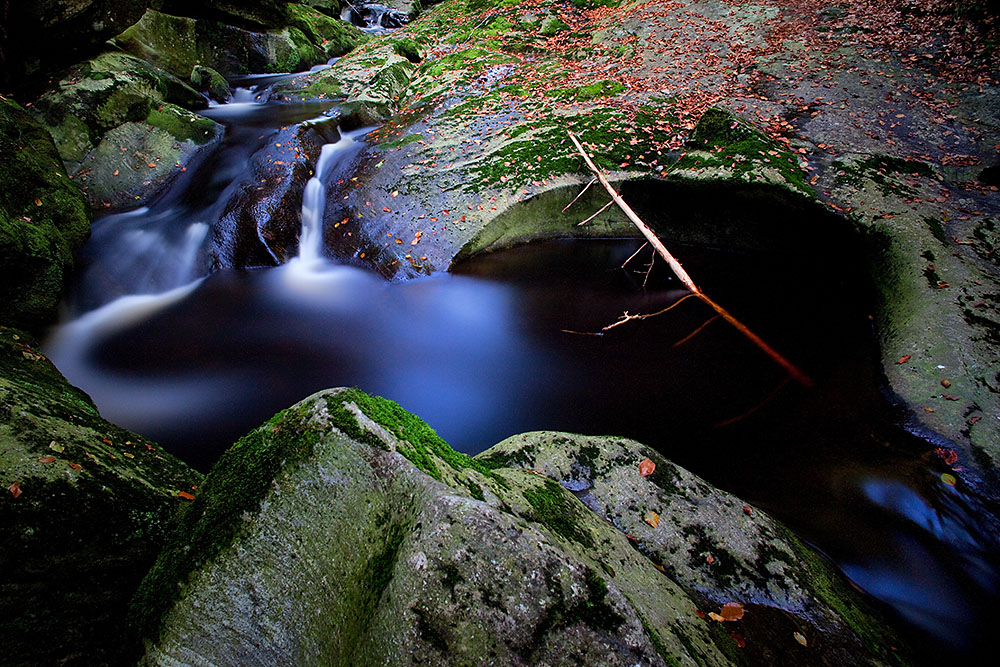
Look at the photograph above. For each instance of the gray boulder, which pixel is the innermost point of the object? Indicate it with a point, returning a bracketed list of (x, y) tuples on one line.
[(346, 529)]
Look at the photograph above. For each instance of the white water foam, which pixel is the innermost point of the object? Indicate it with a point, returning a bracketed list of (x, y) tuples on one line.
[(310, 258)]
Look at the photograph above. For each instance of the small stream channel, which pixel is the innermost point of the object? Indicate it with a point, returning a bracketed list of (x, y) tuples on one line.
[(193, 359)]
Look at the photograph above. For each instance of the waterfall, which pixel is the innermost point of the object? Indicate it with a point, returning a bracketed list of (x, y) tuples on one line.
[(310, 255)]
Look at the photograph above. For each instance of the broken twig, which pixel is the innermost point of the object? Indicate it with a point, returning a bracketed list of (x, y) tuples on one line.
[(683, 276), (580, 194), (603, 209)]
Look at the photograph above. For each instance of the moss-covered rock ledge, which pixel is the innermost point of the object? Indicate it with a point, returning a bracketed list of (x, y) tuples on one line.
[(84, 509), (345, 530)]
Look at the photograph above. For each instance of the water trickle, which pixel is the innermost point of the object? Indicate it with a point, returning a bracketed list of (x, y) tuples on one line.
[(310, 255)]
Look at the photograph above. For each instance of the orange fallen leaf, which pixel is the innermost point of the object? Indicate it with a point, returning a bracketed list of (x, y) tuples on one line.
[(715, 617), (46, 459), (903, 359), (15, 489), (74, 466), (151, 164), (185, 495), (738, 638), (646, 467), (652, 518), (416, 238), (732, 611), (709, 559), (800, 638), (747, 510), (945, 383)]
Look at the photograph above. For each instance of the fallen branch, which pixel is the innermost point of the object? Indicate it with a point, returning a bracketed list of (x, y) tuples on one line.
[(683, 276), (580, 194)]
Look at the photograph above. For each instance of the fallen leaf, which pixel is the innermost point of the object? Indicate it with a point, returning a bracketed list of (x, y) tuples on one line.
[(945, 383), (800, 638), (646, 467), (652, 518), (709, 559), (949, 456), (903, 359), (948, 479), (46, 459), (56, 447), (74, 466), (738, 638), (15, 489), (699, 613), (416, 238), (185, 495), (715, 617), (732, 611), (747, 510)]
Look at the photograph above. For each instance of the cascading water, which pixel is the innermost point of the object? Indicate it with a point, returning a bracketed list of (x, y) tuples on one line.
[(310, 255)]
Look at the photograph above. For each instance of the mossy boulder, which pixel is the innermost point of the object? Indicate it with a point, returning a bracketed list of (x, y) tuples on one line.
[(179, 43), (43, 35), (85, 508), (334, 37), (44, 219), (210, 82), (124, 128), (346, 529), (715, 546)]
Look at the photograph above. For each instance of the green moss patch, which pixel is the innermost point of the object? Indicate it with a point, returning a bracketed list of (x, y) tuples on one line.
[(553, 508), (44, 219)]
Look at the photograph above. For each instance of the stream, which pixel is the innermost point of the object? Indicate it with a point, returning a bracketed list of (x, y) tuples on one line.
[(194, 357)]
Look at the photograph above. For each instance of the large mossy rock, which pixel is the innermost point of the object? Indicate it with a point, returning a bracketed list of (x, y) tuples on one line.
[(44, 219), (179, 43), (346, 530), (44, 34), (85, 506), (124, 128)]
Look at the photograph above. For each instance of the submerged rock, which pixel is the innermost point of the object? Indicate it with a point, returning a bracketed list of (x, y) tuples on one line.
[(346, 527), (43, 220), (85, 507)]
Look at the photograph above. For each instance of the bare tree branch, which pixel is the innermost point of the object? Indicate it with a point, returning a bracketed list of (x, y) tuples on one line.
[(683, 276)]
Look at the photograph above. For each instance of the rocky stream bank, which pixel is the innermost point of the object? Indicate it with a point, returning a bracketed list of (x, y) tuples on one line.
[(344, 530)]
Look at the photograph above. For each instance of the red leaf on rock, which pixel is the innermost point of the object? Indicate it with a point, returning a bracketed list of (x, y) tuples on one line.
[(47, 459), (738, 638), (747, 510), (15, 489), (903, 359), (185, 495), (732, 611), (646, 467), (949, 456)]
